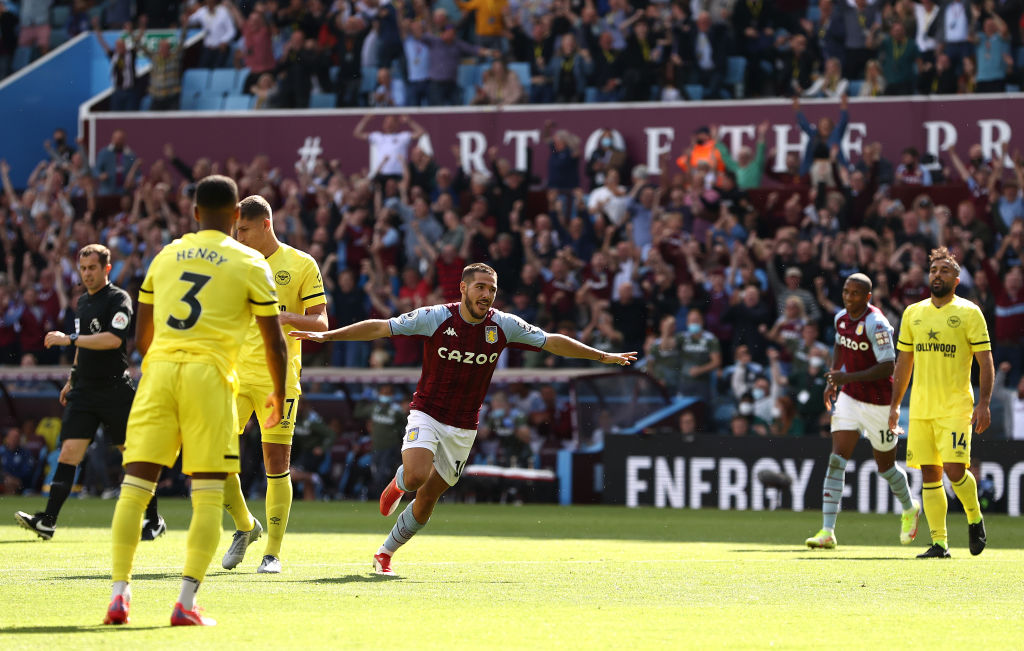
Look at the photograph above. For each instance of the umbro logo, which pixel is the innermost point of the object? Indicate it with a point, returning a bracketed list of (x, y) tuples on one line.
[(451, 332)]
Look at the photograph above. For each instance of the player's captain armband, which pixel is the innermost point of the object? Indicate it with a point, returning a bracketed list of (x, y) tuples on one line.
[(120, 321)]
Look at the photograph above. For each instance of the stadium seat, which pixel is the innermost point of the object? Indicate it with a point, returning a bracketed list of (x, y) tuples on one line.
[(209, 102), (59, 16), (735, 75), (22, 57), (523, 70), (590, 95), (468, 94), (195, 80), (853, 89), (469, 75), (58, 37), (238, 102), (145, 103), (1020, 57), (695, 92), (225, 81), (368, 81), (1012, 88), (321, 100), (189, 101), (397, 91)]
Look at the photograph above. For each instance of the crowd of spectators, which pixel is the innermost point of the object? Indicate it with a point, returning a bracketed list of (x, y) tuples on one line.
[(724, 275), (571, 50)]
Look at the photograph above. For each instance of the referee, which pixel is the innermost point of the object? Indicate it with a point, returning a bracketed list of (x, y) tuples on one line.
[(99, 389)]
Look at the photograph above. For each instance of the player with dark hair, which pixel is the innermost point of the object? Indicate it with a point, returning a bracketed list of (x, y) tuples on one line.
[(462, 343), (195, 306), (861, 375), (939, 337), (99, 389), (302, 305)]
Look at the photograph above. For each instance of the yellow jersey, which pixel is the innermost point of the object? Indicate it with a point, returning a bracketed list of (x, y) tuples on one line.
[(299, 286), (205, 289), (943, 340)]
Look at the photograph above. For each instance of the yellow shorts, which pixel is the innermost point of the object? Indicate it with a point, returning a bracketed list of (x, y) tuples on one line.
[(252, 398), (187, 407), (936, 441)]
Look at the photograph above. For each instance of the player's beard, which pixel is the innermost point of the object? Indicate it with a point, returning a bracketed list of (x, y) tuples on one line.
[(941, 289), (471, 308)]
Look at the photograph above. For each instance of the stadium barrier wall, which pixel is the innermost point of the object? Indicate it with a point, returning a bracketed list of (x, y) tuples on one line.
[(722, 472), (648, 130)]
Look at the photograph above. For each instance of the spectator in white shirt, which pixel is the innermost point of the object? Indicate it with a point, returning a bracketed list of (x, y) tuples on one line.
[(218, 32), (389, 147)]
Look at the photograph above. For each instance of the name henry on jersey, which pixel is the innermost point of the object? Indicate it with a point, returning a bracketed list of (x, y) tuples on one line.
[(200, 253)]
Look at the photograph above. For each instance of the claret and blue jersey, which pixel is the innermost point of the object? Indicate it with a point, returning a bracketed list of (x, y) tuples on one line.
[(459, 357)]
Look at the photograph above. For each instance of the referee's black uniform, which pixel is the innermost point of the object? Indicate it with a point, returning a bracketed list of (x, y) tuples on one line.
[(101, 392), (101, 388)]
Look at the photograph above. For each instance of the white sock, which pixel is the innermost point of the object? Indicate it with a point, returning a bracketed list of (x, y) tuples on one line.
[(189, 588), (121, 588), (384, 550)]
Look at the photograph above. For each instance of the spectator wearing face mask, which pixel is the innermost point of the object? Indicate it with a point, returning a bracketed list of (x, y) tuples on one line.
[(605, 157), (700, 356)]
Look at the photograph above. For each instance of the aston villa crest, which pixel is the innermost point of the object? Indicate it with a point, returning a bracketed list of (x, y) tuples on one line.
[(491, 334)]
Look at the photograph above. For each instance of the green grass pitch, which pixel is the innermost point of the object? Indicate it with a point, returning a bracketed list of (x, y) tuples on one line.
[(529, 577)]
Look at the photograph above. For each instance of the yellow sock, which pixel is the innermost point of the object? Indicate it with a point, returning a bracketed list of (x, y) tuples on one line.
[(967, 492), (234, 502), (279, 505), (934, 497), (127, 524), (204, 531)]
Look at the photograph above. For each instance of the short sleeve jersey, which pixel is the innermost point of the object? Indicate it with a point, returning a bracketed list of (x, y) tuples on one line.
[(459, 357), (204, 288), (860, 344), (299, 286), (943, 340), (108, 310)]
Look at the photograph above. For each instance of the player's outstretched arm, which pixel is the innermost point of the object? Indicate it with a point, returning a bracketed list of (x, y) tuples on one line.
[(982, 417), (367, 330), (276, 349), (900, 382), (568, 347)]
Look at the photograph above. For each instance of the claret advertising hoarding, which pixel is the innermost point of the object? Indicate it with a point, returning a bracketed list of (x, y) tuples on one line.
[(649, 131)]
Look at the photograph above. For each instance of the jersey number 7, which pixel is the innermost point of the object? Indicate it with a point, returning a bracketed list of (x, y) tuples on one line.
[(195, 308)]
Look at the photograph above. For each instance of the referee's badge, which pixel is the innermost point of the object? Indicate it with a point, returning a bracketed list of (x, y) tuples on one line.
[(120, 321), (491, 334)]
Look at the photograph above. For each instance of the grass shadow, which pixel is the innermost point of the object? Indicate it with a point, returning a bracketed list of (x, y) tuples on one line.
[(351, 578), (151, 576), (857, 558), (95, 628), (769, 551)]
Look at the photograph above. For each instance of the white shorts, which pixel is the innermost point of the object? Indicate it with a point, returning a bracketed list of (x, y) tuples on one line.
[(872, 421), (450, 445)]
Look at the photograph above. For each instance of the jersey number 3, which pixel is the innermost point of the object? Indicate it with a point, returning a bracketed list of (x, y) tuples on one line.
[(198, 281)]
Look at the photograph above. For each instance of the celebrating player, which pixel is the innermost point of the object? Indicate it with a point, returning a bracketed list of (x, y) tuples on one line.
[(862, 375), (938, 338), (300, 297), (98, 390), (462, 344), (195, 305)]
